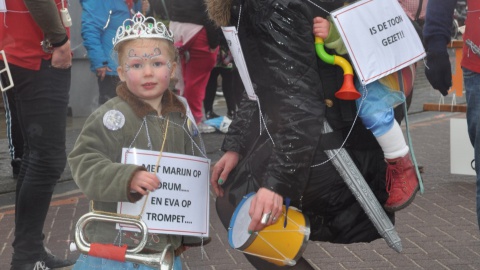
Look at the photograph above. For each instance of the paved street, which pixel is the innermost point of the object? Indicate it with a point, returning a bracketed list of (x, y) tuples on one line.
[(438, 231)]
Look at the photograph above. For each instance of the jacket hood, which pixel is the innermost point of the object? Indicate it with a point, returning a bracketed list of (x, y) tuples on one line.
[(219, 11)]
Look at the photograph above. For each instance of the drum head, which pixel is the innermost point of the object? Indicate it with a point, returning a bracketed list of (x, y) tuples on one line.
[(281, 243), (238, 235)]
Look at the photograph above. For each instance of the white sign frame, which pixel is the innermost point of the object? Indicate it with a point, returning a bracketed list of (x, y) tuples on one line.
[(231, 35), (376, 40), (6, 69), (181, 205), (3, 6), (462, 157)]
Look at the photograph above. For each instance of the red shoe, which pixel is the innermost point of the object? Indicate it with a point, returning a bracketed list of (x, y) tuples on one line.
[(402, 183)]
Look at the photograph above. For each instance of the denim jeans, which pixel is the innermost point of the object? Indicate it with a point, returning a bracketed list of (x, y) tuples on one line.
[(86, 262), (472, 87), (376, 108), (42, 98)]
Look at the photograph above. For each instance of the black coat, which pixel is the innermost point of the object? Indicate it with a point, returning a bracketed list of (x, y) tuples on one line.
[(292, 85)]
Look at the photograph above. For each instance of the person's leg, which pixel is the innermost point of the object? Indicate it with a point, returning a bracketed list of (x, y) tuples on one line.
[(14, 134), (42, 100), (401, 179), (107, 88), (228, 91), (472, 88), (196, 72), (210, 93), (392, 141)]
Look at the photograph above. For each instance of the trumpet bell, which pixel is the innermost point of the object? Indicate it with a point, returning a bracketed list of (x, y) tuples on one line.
[(161, 261), (348, 90)]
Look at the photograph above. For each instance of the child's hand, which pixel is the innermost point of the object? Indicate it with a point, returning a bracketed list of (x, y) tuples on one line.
[(321, 27), (143, 181)]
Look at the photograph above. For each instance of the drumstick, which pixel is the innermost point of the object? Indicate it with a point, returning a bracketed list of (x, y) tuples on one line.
[(287, 204)]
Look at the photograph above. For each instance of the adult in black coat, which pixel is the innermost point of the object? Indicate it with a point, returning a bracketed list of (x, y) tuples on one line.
[(282, 156)]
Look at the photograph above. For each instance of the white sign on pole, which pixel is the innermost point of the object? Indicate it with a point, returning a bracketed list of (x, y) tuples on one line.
[(462, 158), (3, 6), (181, 204), (233, 42), (379, 37)]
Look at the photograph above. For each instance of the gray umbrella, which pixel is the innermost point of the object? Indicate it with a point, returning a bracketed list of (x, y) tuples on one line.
[(359, 187)]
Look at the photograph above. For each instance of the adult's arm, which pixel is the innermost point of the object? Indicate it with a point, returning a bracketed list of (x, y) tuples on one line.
[(289, 92), (95, 16), (438, 22), (46, 15), (212, 33), (436, 33), (242, 127), (280, 55), (93, 162)]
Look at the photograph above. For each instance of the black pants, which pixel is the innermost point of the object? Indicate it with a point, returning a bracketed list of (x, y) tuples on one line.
[(14, 134), (227, 88), (107, 88), (42, 100)]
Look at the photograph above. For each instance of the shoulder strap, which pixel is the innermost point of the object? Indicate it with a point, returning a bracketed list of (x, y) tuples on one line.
[(419, 9)]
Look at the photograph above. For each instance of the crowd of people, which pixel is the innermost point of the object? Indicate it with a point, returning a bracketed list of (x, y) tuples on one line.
[(275, 145)]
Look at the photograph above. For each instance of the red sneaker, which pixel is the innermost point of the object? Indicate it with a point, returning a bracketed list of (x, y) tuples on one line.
[(402, 183)]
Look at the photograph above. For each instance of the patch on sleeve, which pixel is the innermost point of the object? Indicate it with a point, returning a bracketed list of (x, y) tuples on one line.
[(113, 120)]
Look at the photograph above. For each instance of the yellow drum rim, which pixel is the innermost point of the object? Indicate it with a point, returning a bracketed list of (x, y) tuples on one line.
[(251, 239)]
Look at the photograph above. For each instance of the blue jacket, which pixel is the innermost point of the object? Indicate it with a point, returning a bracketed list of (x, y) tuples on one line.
[(100, 20)]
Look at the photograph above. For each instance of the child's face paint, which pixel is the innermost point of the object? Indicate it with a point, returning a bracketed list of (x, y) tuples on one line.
[(147, 68)]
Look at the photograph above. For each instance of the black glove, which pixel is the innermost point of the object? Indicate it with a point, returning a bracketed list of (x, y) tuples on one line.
[(438, 71)]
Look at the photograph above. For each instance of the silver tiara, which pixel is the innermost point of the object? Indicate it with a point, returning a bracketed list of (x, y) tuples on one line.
[(140, 27)]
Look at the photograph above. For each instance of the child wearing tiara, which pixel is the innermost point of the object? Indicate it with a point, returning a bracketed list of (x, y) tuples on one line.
[(144, 115), (376, 112)]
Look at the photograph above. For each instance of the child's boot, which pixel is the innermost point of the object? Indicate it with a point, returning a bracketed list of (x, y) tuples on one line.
[(402, 183)]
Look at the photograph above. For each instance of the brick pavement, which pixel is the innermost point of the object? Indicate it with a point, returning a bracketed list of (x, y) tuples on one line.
[(438, 231)]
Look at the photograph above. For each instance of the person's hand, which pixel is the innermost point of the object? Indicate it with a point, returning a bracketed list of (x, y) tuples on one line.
[(438, 71), (62, 56), (321, 27), (221, 170), (143, 182), (102, 71), (264, 202)]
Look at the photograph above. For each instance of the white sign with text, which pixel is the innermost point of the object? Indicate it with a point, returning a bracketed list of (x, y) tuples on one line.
[(379, 37), (3, 6), (462, 158), (181, 204)]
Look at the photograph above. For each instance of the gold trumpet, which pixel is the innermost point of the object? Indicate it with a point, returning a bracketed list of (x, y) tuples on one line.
[(164, 260)]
